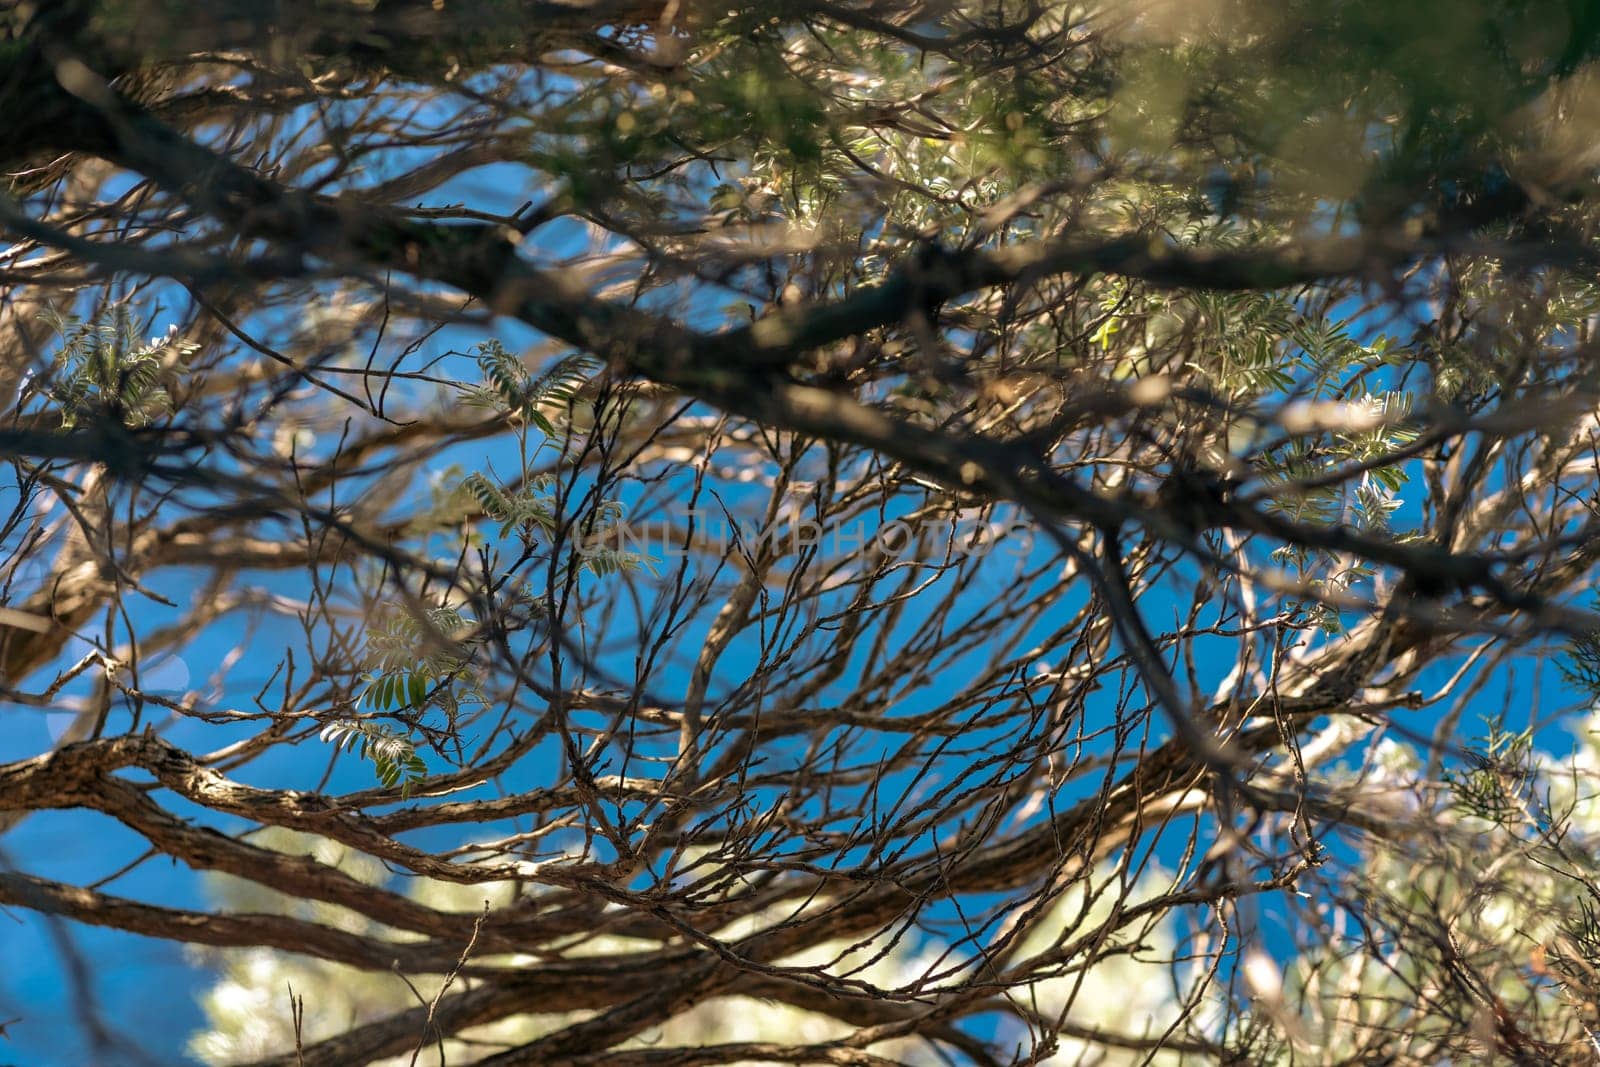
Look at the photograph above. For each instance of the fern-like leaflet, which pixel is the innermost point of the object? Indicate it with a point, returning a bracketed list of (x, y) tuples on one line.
[(528, 507), (533, 505), (508, 385), (394, 758), (411, 664), (104, 366)]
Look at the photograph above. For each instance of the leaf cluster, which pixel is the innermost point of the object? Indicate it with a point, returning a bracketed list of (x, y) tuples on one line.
[(104, 368)]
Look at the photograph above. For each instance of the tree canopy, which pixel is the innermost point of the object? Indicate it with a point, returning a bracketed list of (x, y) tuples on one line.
[(828, 531)]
